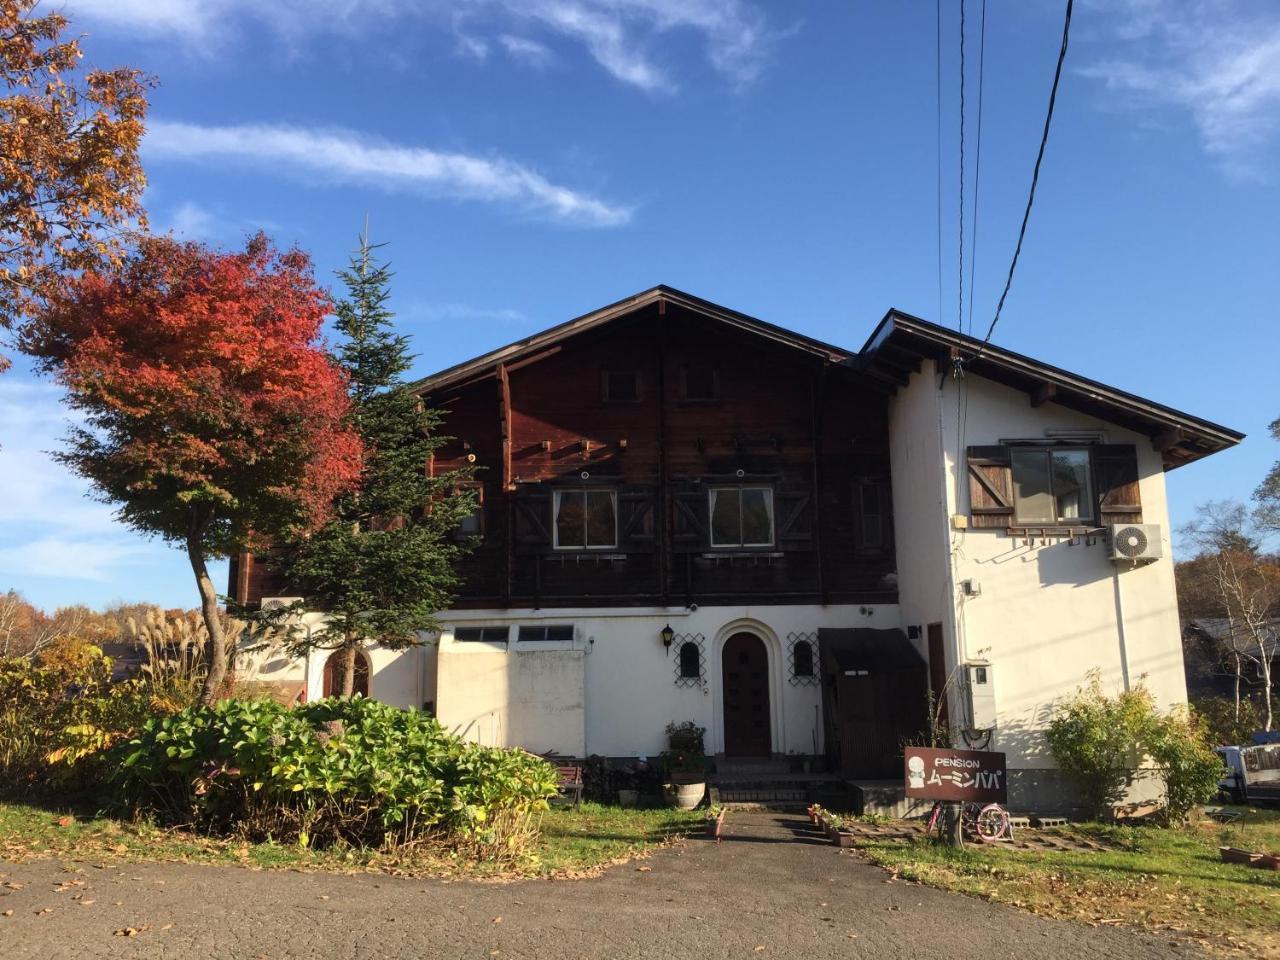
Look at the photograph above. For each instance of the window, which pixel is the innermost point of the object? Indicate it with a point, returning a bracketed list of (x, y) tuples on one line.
[(1051, 485), (741, 516), (481, 634), (699, 384), (620, 386), (871, 506), (690, 661), (586, 519), (561, 633), (802, 659)]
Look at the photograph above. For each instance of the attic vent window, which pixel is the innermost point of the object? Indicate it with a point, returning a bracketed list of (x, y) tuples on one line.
[(699, 384), (620, 386)]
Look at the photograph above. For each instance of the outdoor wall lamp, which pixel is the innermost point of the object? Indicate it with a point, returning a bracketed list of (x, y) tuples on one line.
[(667, 636)]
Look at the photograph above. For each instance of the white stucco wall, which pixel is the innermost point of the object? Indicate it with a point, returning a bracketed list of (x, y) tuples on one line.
[(920, 513), (627, 686), (1049, 612)]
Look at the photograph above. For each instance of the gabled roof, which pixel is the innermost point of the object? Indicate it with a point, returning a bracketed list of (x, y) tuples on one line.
[(1237, 637), (894, 350), (530, 347), (900, 341)]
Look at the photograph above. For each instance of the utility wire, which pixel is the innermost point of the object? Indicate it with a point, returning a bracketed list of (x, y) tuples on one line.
[(977, 165), (1035, 177), (938, 79), (960, 271)]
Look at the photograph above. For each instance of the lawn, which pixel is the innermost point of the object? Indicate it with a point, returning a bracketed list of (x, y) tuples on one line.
[(1160, 879), (573, 842)]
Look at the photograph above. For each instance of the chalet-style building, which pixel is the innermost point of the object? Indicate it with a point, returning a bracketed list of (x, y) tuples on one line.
[(690, 514)]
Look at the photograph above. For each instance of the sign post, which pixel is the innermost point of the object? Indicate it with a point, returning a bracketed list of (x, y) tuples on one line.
[(955, 777)]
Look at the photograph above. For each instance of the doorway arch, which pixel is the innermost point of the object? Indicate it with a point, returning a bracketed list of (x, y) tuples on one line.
[(330, 685), (745, 696)]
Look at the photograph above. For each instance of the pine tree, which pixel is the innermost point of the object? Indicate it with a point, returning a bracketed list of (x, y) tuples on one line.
[(385, 565)]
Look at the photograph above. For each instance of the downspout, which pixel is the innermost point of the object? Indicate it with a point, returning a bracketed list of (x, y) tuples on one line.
[(1120, 631)]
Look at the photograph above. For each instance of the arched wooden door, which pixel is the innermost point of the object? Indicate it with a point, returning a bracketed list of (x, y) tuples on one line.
[(745, 665), (361, 679)]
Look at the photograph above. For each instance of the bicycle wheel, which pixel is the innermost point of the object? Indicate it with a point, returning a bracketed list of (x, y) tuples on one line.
[(935, 821), (991, 823)]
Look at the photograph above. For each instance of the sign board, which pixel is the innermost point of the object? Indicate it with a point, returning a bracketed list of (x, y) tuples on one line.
[(965, 775)]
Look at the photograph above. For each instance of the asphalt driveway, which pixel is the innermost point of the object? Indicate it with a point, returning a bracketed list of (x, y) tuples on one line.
[(768, 890)]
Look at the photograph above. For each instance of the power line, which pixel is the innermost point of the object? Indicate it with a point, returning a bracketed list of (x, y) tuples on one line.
[(1035, 175), (960, 271), (938, 79), (977, 166)]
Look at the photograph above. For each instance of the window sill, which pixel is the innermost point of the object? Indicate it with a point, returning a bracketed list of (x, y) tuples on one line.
[(729, 553)]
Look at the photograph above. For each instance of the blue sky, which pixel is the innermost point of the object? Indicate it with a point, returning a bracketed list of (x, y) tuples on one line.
[(530, 160)]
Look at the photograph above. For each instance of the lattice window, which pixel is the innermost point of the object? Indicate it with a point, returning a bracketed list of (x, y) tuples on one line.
[(802, 659), (690, 659)]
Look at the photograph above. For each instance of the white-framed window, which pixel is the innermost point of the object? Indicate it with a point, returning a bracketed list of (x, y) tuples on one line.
[(549, 633), (481, 634), (1052, 485), (586, 519), (741, 516)]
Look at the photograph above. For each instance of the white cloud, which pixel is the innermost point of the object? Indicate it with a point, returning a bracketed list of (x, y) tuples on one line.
[(1218, 60), (618, 34), (193, 222), (526, 51), (346, 156), (434, 312)]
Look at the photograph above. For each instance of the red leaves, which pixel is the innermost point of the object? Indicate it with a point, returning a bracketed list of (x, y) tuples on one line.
[(205, 378)]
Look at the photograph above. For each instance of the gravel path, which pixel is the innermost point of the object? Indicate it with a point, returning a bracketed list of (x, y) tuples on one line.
[(768, 890)]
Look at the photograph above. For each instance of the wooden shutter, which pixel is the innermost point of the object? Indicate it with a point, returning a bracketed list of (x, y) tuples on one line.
[(1115, 471), (990, 487), (793, 515), (533, 519), (691, 516), (636, 519)]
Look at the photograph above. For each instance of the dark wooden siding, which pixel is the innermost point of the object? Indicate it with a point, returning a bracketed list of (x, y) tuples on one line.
[(810, 430)]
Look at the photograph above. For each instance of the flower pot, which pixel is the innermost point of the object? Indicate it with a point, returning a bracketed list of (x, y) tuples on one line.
[(1268, 861), (628, 798), (1236, 855), (684, 796), (844, 838)]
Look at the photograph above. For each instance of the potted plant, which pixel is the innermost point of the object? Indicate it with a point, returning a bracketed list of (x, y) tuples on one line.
[(715, 820), (685, 764)]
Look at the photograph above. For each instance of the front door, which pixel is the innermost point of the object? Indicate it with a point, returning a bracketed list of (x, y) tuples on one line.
[(747, 731)]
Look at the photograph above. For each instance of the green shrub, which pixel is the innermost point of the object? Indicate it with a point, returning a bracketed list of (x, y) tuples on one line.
[(686, 753), (1100, 742), (1225, 725), (336, 770), (1097, 742), (1189, 767)]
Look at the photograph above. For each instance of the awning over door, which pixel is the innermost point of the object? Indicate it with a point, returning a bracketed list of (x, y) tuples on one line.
[(860, 648)]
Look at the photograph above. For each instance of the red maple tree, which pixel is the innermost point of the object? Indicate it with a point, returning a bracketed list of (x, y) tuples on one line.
[(212, 415)]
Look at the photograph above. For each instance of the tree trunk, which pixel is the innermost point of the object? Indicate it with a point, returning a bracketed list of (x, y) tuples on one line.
[(1239, 669), (216, 650), (1265, 663), (347, 669)]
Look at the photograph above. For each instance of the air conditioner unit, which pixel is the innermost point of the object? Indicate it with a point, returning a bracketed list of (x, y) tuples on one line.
[(279, 603), (1134, 541)]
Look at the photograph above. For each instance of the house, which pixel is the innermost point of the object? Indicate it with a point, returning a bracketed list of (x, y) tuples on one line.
[(687, 513), (1217, 653)]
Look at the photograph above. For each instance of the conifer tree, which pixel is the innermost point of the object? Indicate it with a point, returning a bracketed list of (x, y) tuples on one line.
[(384, 566)]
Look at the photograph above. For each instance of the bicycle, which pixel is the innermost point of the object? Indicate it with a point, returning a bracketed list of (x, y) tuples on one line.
[(989, 823)]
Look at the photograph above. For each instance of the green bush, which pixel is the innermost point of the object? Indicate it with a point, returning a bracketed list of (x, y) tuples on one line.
[(59, 712), (1189, 767), (336, 770), (1225, 725), (1100, 742), (1097, 742)]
